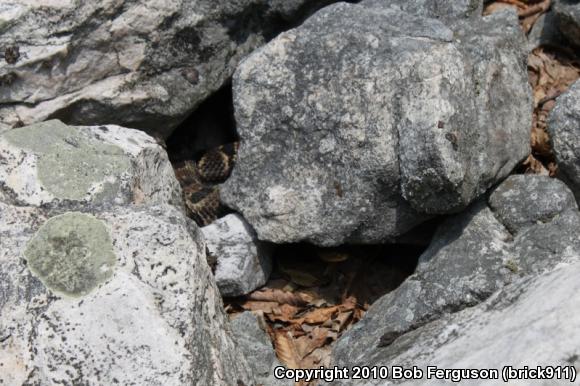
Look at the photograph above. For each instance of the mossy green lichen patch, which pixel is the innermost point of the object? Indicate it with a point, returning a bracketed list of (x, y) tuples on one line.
[(70, 163), (71, 254)]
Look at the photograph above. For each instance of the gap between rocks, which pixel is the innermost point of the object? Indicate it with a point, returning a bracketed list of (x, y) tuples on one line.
[(315, 294)]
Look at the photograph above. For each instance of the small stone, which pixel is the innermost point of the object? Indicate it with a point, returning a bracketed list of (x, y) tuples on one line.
[(243, 262), (257, 347), (525, 200)]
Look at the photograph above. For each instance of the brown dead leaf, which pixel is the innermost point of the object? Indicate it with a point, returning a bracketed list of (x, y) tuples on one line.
[(308, 343), (265, 307), (284, 313), (533, 166), (280, 297), (341, 320), (320, 315), (286, 349)]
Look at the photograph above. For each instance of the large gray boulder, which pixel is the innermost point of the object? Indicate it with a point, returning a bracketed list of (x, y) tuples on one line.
[(138, 64), (365, 120), (568, 19), (472, 256), (103, 279), (564, 127), (532, 322), (448, 10)]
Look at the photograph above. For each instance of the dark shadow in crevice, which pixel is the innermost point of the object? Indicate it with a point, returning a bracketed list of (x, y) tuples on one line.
[(366, 272), (212, 124)]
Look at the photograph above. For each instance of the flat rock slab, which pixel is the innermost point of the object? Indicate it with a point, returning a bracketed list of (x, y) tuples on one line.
[(137, 64), (366, 120), (53, 164), (529, 323), (564, 127), (473, 255), (243, 262)]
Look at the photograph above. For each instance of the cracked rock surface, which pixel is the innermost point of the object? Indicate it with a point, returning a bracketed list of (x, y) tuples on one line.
[(114, 290), (139, 64), (473, 255), (366, 120)]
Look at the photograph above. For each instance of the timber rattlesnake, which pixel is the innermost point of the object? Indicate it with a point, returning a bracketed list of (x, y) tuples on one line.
[(200, 182)]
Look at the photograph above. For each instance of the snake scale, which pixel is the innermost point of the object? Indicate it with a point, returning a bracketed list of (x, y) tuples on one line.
[(200, 182)]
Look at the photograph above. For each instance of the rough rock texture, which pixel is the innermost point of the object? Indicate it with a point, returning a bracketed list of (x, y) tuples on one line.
[(364, 116), (257, 347), (524, 200), (472, 256), (545, 32), (133, 63), (448, 10), (564, 126), (243, 262), (50, 163), (93, 288), (568, 14), (532, 322)]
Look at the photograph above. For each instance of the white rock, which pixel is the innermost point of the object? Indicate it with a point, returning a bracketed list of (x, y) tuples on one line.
[(243, 262), (155, 318), (50, 162)]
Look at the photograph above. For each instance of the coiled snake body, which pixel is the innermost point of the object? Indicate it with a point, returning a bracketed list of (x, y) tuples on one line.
[(200, 182)]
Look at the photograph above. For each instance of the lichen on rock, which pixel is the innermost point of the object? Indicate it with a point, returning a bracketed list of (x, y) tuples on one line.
[(71, 254), (69, 163)]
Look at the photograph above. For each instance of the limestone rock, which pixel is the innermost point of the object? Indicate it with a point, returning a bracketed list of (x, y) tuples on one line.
[(103, 280), (364, 121), (472, 256), (465, 263), (531, 322), (545, 31), (568, 19), (448, 10), (243, 262), (50, 163), (257, 347), (524, 200), (564, 127), (137, 64), (121, 296)]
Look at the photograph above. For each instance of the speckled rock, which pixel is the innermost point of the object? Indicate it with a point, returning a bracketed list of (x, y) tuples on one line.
[(524, 200), (472, 256), (532, 322), (137, 64), (545, 31), (243, 262), (564, 127), (257, 347), (53, 164), (365, 120), (568, 19), (448, 10), (103, 279), (122, 296), (465, 263)]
